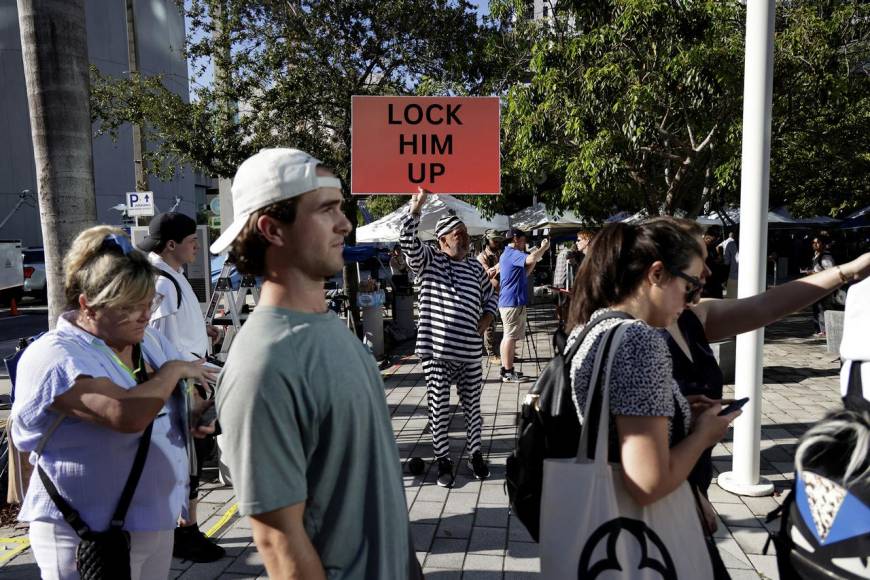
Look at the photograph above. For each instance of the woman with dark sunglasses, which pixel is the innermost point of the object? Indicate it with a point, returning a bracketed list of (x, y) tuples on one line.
[(695, 367), (649, 273)]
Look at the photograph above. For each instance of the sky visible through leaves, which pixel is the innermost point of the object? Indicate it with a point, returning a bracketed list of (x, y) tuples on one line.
[(207, 76)]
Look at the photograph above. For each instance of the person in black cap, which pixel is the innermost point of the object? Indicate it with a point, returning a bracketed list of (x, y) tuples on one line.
[(171, 243), (457, 304)]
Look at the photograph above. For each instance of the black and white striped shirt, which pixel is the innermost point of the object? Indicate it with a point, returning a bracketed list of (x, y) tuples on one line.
[(453, 297)]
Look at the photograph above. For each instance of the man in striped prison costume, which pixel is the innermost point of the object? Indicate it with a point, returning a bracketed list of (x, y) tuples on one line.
[(457, 304)]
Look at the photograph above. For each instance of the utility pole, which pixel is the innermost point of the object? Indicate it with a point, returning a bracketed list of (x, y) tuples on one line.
[(133, 70), (745, 476)]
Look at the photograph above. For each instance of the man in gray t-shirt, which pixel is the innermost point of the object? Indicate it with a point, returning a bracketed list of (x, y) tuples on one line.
[(308, 437)]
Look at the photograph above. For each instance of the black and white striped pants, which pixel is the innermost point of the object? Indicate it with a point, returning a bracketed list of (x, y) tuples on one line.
[(468, 377)]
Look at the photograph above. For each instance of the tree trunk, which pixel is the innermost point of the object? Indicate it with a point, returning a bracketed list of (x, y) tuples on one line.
[(222, 71), (55, 53)]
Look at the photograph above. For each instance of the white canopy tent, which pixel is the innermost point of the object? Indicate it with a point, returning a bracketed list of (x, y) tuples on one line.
[(386, 229), (779, 215), (858, 219), (538, 216), (856, 214)]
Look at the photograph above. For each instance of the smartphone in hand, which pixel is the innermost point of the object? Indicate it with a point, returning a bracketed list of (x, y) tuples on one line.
[(735, 405), (207, 416)]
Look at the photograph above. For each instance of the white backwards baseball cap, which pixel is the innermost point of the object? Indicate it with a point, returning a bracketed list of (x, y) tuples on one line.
[(270, 176)]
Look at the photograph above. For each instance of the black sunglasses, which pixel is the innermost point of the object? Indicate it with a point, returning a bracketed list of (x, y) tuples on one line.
[(693, 292)]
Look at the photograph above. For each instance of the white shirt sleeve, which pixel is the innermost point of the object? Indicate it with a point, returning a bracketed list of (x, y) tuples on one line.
[(47, 369)]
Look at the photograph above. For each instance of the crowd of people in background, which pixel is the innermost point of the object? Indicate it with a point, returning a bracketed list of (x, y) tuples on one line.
[(114, 402)]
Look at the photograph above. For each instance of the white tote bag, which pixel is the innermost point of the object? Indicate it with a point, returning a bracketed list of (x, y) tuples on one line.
[(591, 528)]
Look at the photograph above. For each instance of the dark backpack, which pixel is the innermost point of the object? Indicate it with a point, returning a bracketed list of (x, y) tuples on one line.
[(174, 283), (824, 529), (548, 428)]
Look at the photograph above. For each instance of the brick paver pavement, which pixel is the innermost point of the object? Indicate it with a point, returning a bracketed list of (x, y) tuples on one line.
[(467, 532)]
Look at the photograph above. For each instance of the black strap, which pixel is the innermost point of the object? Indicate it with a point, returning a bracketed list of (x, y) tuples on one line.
[(141, 452), (70, 514), (569, 354), (175, 283), (597, 394), (680, 428)]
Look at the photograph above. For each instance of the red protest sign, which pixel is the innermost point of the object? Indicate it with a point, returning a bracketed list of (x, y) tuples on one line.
[(444, 144)]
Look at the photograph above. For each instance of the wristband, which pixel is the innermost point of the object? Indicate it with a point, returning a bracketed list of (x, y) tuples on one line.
[(843, 278)]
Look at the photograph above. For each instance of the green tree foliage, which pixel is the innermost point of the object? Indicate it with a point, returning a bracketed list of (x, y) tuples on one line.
[(284, 73), (628, 105), (820, 144), (381, 205), (637, 104)]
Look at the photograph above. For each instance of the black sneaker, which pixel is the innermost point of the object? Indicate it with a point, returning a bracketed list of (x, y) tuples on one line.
[(478, 466), (191, 544), (511, 377), (445, 472)]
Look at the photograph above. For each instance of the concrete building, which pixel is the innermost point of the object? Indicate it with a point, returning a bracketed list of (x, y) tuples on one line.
[(540, 9), (160, 37)]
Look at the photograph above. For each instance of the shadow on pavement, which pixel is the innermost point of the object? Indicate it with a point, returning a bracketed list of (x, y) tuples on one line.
[(778, 373)]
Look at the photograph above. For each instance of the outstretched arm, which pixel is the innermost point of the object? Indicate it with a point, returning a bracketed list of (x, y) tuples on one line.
[(534, 257), (418, 254), (726, 318)]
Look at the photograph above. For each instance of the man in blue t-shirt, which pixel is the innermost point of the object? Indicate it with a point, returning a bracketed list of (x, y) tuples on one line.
[(515, 265)]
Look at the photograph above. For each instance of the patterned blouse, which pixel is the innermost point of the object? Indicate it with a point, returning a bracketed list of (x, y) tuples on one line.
[(642, 382)]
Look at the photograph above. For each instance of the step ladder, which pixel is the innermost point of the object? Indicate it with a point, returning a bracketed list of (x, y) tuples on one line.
[(233, 301)]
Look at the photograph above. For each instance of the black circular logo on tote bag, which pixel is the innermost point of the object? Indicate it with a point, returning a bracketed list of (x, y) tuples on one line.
[(609, 532)]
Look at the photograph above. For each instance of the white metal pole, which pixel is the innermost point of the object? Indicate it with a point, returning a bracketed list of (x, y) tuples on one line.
[(745, 477)]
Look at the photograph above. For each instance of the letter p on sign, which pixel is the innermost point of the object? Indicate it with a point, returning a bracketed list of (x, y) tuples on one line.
[(443, 144)]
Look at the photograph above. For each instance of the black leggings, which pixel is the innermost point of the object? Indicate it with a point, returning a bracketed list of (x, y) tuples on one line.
[(204, 449)]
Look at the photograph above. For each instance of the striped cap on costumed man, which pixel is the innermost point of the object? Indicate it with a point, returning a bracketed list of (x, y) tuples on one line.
[(446, 225)]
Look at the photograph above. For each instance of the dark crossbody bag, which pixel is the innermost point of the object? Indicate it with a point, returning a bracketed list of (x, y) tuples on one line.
[(106, 555)]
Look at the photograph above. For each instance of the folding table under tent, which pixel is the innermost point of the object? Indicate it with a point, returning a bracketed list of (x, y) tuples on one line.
[(386, 229)]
